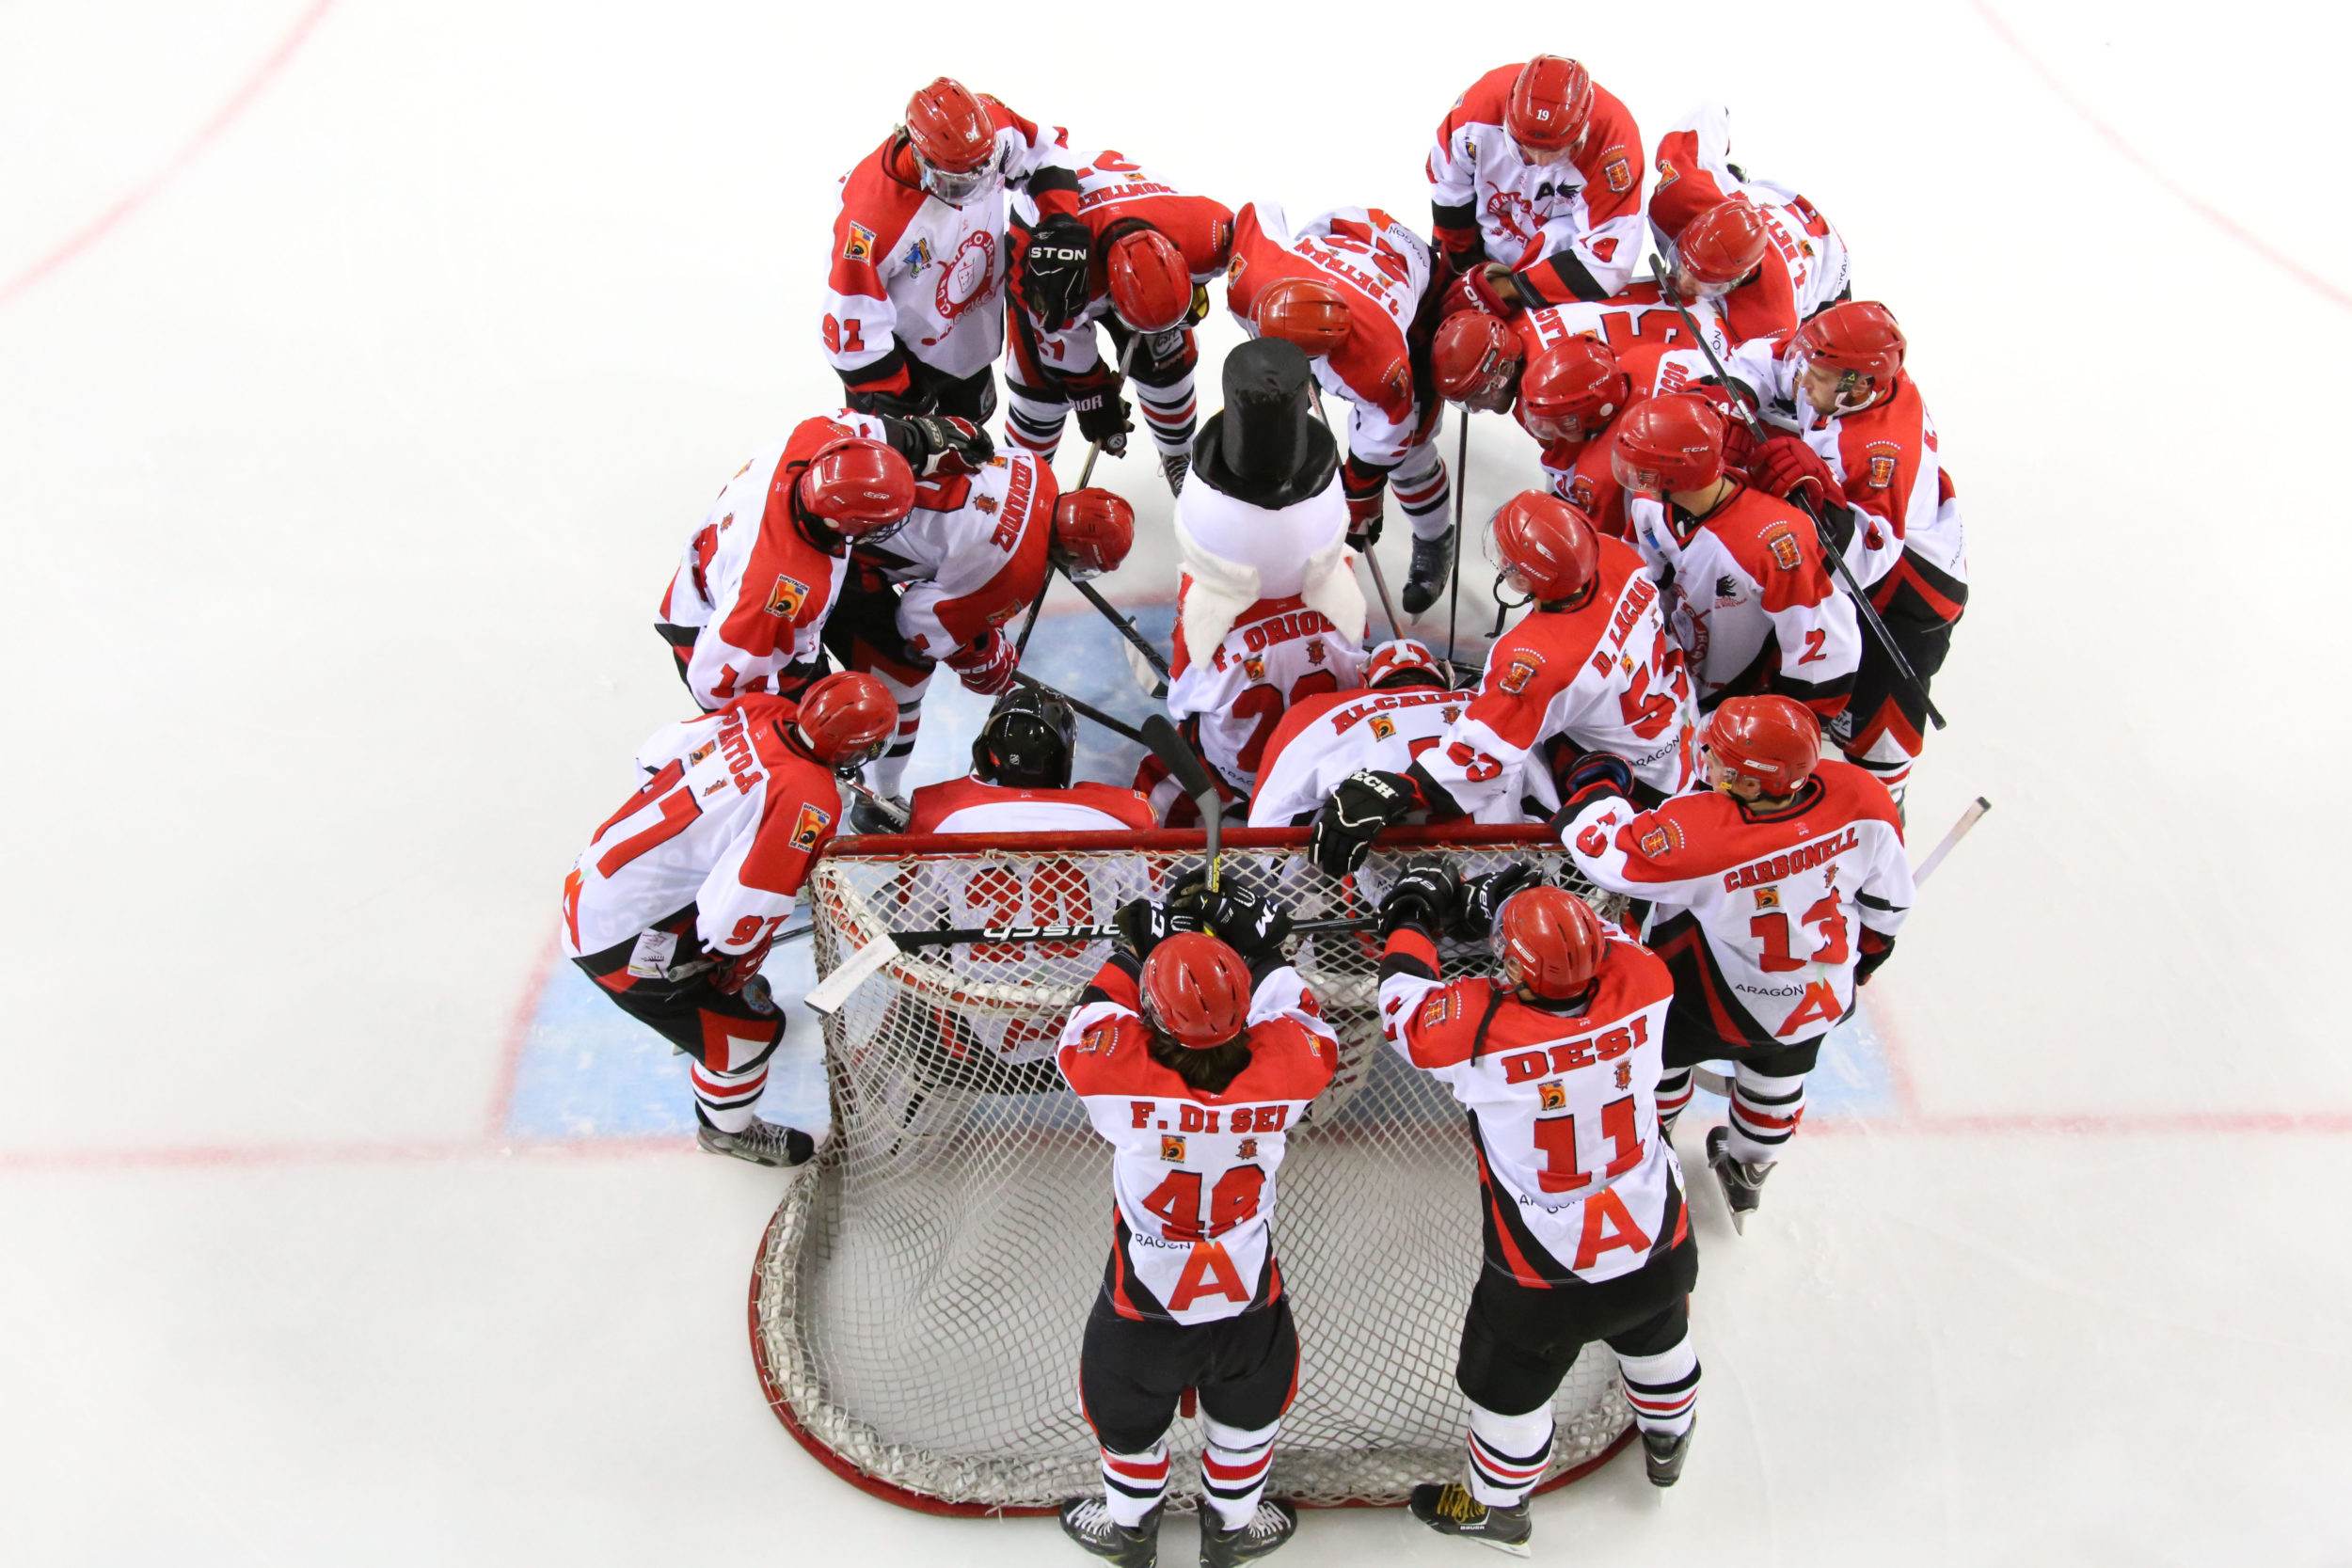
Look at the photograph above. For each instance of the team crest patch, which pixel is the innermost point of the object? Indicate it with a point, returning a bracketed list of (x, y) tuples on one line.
[(1248, 1149), (1171, 1148), (1661, 838), (1767, 898), (1436, 1009), (1253, 666), (1667, 173), (1523, 670), (1555, 1098), (1234, 270), (1580, 492), (1625, 1075), (1618, 171), (984, 504), (1383, 728), (1881, 469), (1782, 542), (918, 256), (1453, 712), (786, 599), (861, 246), (809, 827), (1314, 650)]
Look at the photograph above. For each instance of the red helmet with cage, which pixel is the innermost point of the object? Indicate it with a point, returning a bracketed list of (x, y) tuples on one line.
[(1550, 103), (1774, 742), (953, 139), (1151, 287), (1093, 530), (1196, 990), (1403, 662), (1545, 548), (858, 487), (845, 720), (1722, 246), (1667, 444), (1571, 390), (1476, 357), (1550, 942), (1857, 338), (1306, 313)]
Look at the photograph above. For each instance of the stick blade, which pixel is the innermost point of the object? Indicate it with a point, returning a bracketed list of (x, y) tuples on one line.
[(1169, 744), (828, 995)]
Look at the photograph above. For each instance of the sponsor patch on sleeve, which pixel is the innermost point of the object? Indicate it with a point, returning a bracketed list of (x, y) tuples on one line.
[(786, 599), (861, 246), (812, 823)]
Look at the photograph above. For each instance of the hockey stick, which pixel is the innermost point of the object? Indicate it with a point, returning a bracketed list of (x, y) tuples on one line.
[(1125, 628), (1084, 711), (1176, 754), (1863, 607), (1461, 495), (1715, 1082), (1094, 450)]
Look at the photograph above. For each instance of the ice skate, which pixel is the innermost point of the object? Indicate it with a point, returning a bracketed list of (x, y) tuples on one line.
[(1089, 1522), (1425, 573), (873, 815), (1273, 1523), (1450, 1509), (1663, 1455), (1175, 465), (763, 1143), (1742, 1183)]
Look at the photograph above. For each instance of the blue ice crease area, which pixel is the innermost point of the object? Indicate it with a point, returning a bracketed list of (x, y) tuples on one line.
[(588, 1071)]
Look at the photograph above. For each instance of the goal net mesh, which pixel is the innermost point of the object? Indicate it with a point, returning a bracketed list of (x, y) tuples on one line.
[(922, 1289)]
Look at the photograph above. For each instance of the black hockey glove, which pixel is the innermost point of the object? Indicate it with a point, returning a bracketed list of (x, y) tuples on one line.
[(1366, 801), (1482, 898), (951, 446), (1054, 270), (1874, 950), (1102, 414), (1249, 923), (1424, 893), (1143, 923)]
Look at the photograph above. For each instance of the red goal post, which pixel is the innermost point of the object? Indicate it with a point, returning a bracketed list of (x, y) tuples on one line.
[(919, 1296)]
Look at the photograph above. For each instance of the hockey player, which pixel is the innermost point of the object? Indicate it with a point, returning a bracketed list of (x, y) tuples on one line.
[(1194, 1051), (1751, 600), (972, 554), (1772, 894), (1557, 1061), (1536, 185), (1267, 608), (1865, 456), (1589, 670), (915, 312), (1405, 708), (1356, 291), (746, 608), (673, 905), (1764, 252), (1152, 250)]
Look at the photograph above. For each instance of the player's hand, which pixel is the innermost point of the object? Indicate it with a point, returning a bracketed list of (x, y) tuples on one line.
[(1102, 414), (1054, 270), (1366, 801), (1423, 894), (1248, 922), (951, 445), (1364, 514), (985, 667), (1497, 289), (1595, 775), (1143, 923), (729, 972), (1872, 951), (1484, 897), (1786, 466), (1740, 439)]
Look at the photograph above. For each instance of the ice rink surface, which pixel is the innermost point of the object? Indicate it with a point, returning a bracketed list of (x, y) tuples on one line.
[(364, 366)]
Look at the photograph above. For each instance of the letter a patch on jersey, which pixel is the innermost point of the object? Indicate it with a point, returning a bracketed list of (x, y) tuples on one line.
[(786, 599), (812, 823)]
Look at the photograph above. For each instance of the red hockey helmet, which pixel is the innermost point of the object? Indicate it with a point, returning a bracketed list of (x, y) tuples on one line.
[(1859, 341), (1476, 357), (1669, 443), (1774, 742), (1545, 548), (1093, 530), (1550, 103), (1403, 662), (1550, 942), (1196, 990), (953, 139), (860, 488), (845, 720), (1151, 287), (1571, 390), (1306, 313), (1719, 247)]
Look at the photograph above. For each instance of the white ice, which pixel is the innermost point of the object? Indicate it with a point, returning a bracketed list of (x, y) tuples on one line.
[(342, 471)]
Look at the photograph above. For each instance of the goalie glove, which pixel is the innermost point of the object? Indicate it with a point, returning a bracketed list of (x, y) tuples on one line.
[(1482, 898), (1424, 893), (1249, 923), (1366, 801), (1054, 270)]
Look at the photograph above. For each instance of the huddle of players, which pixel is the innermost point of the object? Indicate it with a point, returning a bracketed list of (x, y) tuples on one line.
[(893, 536)]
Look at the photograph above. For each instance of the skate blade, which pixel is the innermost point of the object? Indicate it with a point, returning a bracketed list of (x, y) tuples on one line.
[(1738, 1223)]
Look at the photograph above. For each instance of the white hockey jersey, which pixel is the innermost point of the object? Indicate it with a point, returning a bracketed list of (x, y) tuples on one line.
[(1277, 652), (1193, 1174), (1323, 739), (1807, 267), (973, 552)]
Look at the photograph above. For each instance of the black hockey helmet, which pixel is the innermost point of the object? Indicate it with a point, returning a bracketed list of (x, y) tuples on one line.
[(1265, 447), (1029, 741)]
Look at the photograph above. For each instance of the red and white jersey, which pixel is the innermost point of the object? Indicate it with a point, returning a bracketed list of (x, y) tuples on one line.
[(912, 275), (1115, 193), (727, 821), (1384, 271), (1751, 599), (1277, 653), (1585, 206), (1192, 1173), (751, 580), (1025, 890), (1758, 916), (1883, 456), (1807, 267), (1323, 739), (1577, 1181), (1657, 355), (1606, 676), (972, 554)]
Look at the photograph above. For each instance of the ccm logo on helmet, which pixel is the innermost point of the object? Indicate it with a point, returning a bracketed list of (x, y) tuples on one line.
[(1522, 1067)]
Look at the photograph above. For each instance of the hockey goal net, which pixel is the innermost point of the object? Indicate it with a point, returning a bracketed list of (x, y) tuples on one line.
[(920, 1293)]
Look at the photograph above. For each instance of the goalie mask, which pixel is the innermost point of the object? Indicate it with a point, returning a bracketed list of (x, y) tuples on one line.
[(1029, 741)]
